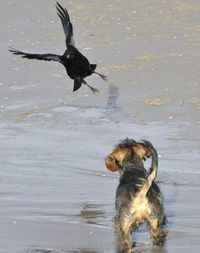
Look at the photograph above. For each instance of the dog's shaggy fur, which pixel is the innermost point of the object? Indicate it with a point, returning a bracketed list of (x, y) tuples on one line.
[(138, 198)]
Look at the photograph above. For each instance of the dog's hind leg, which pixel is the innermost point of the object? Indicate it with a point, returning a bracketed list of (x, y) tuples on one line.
[(158, 234), (123, 237)]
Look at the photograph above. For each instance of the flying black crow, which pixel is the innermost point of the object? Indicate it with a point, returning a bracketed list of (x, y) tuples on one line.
[(77, 65)]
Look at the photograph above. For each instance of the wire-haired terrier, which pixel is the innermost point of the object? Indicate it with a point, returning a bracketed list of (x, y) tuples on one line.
[(138, 198)]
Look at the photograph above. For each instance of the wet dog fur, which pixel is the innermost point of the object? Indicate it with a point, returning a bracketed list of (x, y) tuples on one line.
[(138, 198)]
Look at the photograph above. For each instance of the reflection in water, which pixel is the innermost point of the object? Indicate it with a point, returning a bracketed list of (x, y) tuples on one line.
[(159, 250), (111, 105), (90, 111), (107, 110), (42, 251), (62, 251), (140, 249), (83, 251), (147, 248), (91, 213)]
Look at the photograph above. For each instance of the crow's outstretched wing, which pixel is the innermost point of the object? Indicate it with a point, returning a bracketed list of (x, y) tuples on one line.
[(66, 23), (45, 57)]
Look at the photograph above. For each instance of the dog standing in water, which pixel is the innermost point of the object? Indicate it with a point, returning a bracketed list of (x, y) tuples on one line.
[(138, 198)]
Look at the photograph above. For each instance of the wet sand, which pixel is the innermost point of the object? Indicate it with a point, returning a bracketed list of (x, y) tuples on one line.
[(55, 193)]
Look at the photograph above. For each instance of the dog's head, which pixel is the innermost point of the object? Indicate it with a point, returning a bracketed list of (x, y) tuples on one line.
[(126, 150)]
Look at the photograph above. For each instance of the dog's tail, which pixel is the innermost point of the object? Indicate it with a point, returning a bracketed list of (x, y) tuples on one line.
[(152, 171)]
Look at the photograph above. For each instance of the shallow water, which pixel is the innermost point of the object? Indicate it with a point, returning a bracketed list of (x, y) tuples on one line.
[(55, 193)]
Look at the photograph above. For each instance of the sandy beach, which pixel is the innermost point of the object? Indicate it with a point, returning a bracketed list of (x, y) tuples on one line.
[(56, 195)]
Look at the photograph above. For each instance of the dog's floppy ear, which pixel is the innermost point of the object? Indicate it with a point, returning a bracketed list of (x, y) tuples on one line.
[(111, 163), (141, 151)]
